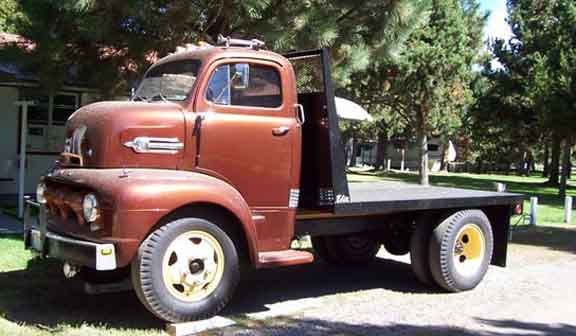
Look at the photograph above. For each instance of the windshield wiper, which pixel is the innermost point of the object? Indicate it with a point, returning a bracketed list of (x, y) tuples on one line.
[(160, 95), (139, 98)]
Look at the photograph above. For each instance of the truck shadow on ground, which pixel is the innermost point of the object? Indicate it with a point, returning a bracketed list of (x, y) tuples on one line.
[(269, 286), (553, 238), (289, 326), (41, 296)]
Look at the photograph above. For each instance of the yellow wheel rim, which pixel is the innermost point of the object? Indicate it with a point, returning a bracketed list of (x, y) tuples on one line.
[(193, 266), (469, 249)]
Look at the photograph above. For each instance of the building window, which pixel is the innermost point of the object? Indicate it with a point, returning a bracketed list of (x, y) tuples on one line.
[(46, 119), (64, 106)]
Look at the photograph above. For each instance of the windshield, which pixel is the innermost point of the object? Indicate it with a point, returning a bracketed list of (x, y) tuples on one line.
[(168, 81)]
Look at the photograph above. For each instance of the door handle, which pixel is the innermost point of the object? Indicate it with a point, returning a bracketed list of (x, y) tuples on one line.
[(280, 131)]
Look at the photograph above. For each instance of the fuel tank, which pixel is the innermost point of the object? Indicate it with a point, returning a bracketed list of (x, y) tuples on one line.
[(125, 135)]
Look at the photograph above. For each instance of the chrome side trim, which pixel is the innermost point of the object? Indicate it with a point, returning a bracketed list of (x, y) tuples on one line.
[(155, 145)]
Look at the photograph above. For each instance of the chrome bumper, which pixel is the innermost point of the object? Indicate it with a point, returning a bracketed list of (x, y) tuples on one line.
[(37, 238)]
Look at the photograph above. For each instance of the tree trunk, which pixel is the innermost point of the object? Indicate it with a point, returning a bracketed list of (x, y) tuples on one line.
[(422, 146), (555, 162), (381, 154), (444, 161), (565, 167), (546, 169), (353, 152)]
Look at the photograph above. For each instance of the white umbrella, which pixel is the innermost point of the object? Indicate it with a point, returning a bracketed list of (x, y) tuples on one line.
[(347, 109), (451, 151)]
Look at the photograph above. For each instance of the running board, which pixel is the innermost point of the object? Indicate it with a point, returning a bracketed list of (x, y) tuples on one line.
[(284, 258)]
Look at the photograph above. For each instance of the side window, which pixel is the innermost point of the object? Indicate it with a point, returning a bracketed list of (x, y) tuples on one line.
[(219, 86), (242, 84)]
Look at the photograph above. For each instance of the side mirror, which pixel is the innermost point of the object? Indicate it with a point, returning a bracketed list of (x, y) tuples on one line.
[(241, 77)]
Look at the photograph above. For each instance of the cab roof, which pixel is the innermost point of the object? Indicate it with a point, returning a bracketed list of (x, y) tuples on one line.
[(209, 54)]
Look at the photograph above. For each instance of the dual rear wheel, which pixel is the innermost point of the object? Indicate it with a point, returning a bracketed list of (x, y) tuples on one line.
[(455, 254)]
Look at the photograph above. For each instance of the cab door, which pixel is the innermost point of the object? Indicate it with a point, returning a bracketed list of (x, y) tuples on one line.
[(250, 137)]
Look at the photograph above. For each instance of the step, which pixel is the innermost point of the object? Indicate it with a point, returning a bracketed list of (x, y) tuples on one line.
[(284, 258)]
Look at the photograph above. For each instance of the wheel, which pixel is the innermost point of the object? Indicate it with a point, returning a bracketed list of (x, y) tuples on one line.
[(397, 245), (461, 250), (319, 246), (186, 270), (92, 276), (353, 248), (419, 250)]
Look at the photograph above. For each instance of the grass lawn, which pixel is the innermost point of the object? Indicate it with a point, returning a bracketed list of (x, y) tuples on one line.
[(36, 300), (550, 208)]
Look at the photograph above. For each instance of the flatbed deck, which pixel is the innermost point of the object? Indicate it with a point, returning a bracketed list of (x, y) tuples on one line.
[(387, 197)]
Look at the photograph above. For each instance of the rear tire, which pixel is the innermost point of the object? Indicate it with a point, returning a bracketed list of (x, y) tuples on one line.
[(419, 251), (186, 270), (397, 245), (461, 250), (346, 249)]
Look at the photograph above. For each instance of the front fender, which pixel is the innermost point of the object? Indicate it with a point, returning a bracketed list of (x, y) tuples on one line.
[(139, 198)]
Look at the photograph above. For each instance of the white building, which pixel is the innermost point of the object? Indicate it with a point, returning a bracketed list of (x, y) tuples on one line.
[(44, 128), (404, 155)]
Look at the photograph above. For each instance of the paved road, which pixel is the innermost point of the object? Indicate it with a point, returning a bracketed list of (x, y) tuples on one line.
[(535, 295)]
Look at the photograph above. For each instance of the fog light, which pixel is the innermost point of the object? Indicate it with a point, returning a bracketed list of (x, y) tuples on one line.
[(106, 251), (90, 208), (40, 190)]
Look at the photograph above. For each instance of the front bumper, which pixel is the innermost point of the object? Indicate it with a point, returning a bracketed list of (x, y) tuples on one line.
[(37, 238)]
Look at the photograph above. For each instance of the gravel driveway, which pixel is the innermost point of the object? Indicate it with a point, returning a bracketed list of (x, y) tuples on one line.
[(534, 295)]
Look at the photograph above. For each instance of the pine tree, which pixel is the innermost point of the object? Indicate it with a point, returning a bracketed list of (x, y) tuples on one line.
[(430, 80), (108, 43), (8, 15), (541, 59)]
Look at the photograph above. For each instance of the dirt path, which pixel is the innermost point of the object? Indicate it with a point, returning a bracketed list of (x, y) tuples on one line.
[(535, 295)]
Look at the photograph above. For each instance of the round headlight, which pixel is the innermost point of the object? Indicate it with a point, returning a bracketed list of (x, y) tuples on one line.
[(90, 208), (40, 190)]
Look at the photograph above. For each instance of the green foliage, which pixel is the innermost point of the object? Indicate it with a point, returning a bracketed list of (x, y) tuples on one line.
[(548, 38), (531, 98), (435, 70), (8, 15), (427, 87), (109, 43)]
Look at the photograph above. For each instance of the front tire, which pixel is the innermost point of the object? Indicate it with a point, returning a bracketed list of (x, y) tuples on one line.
[(461, 250), (186, 270)]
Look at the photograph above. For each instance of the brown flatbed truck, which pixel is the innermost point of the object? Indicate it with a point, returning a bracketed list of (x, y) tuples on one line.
[(224, 156)]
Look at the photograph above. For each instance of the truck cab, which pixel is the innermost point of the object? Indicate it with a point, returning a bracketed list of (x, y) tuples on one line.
[(223, 156)]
